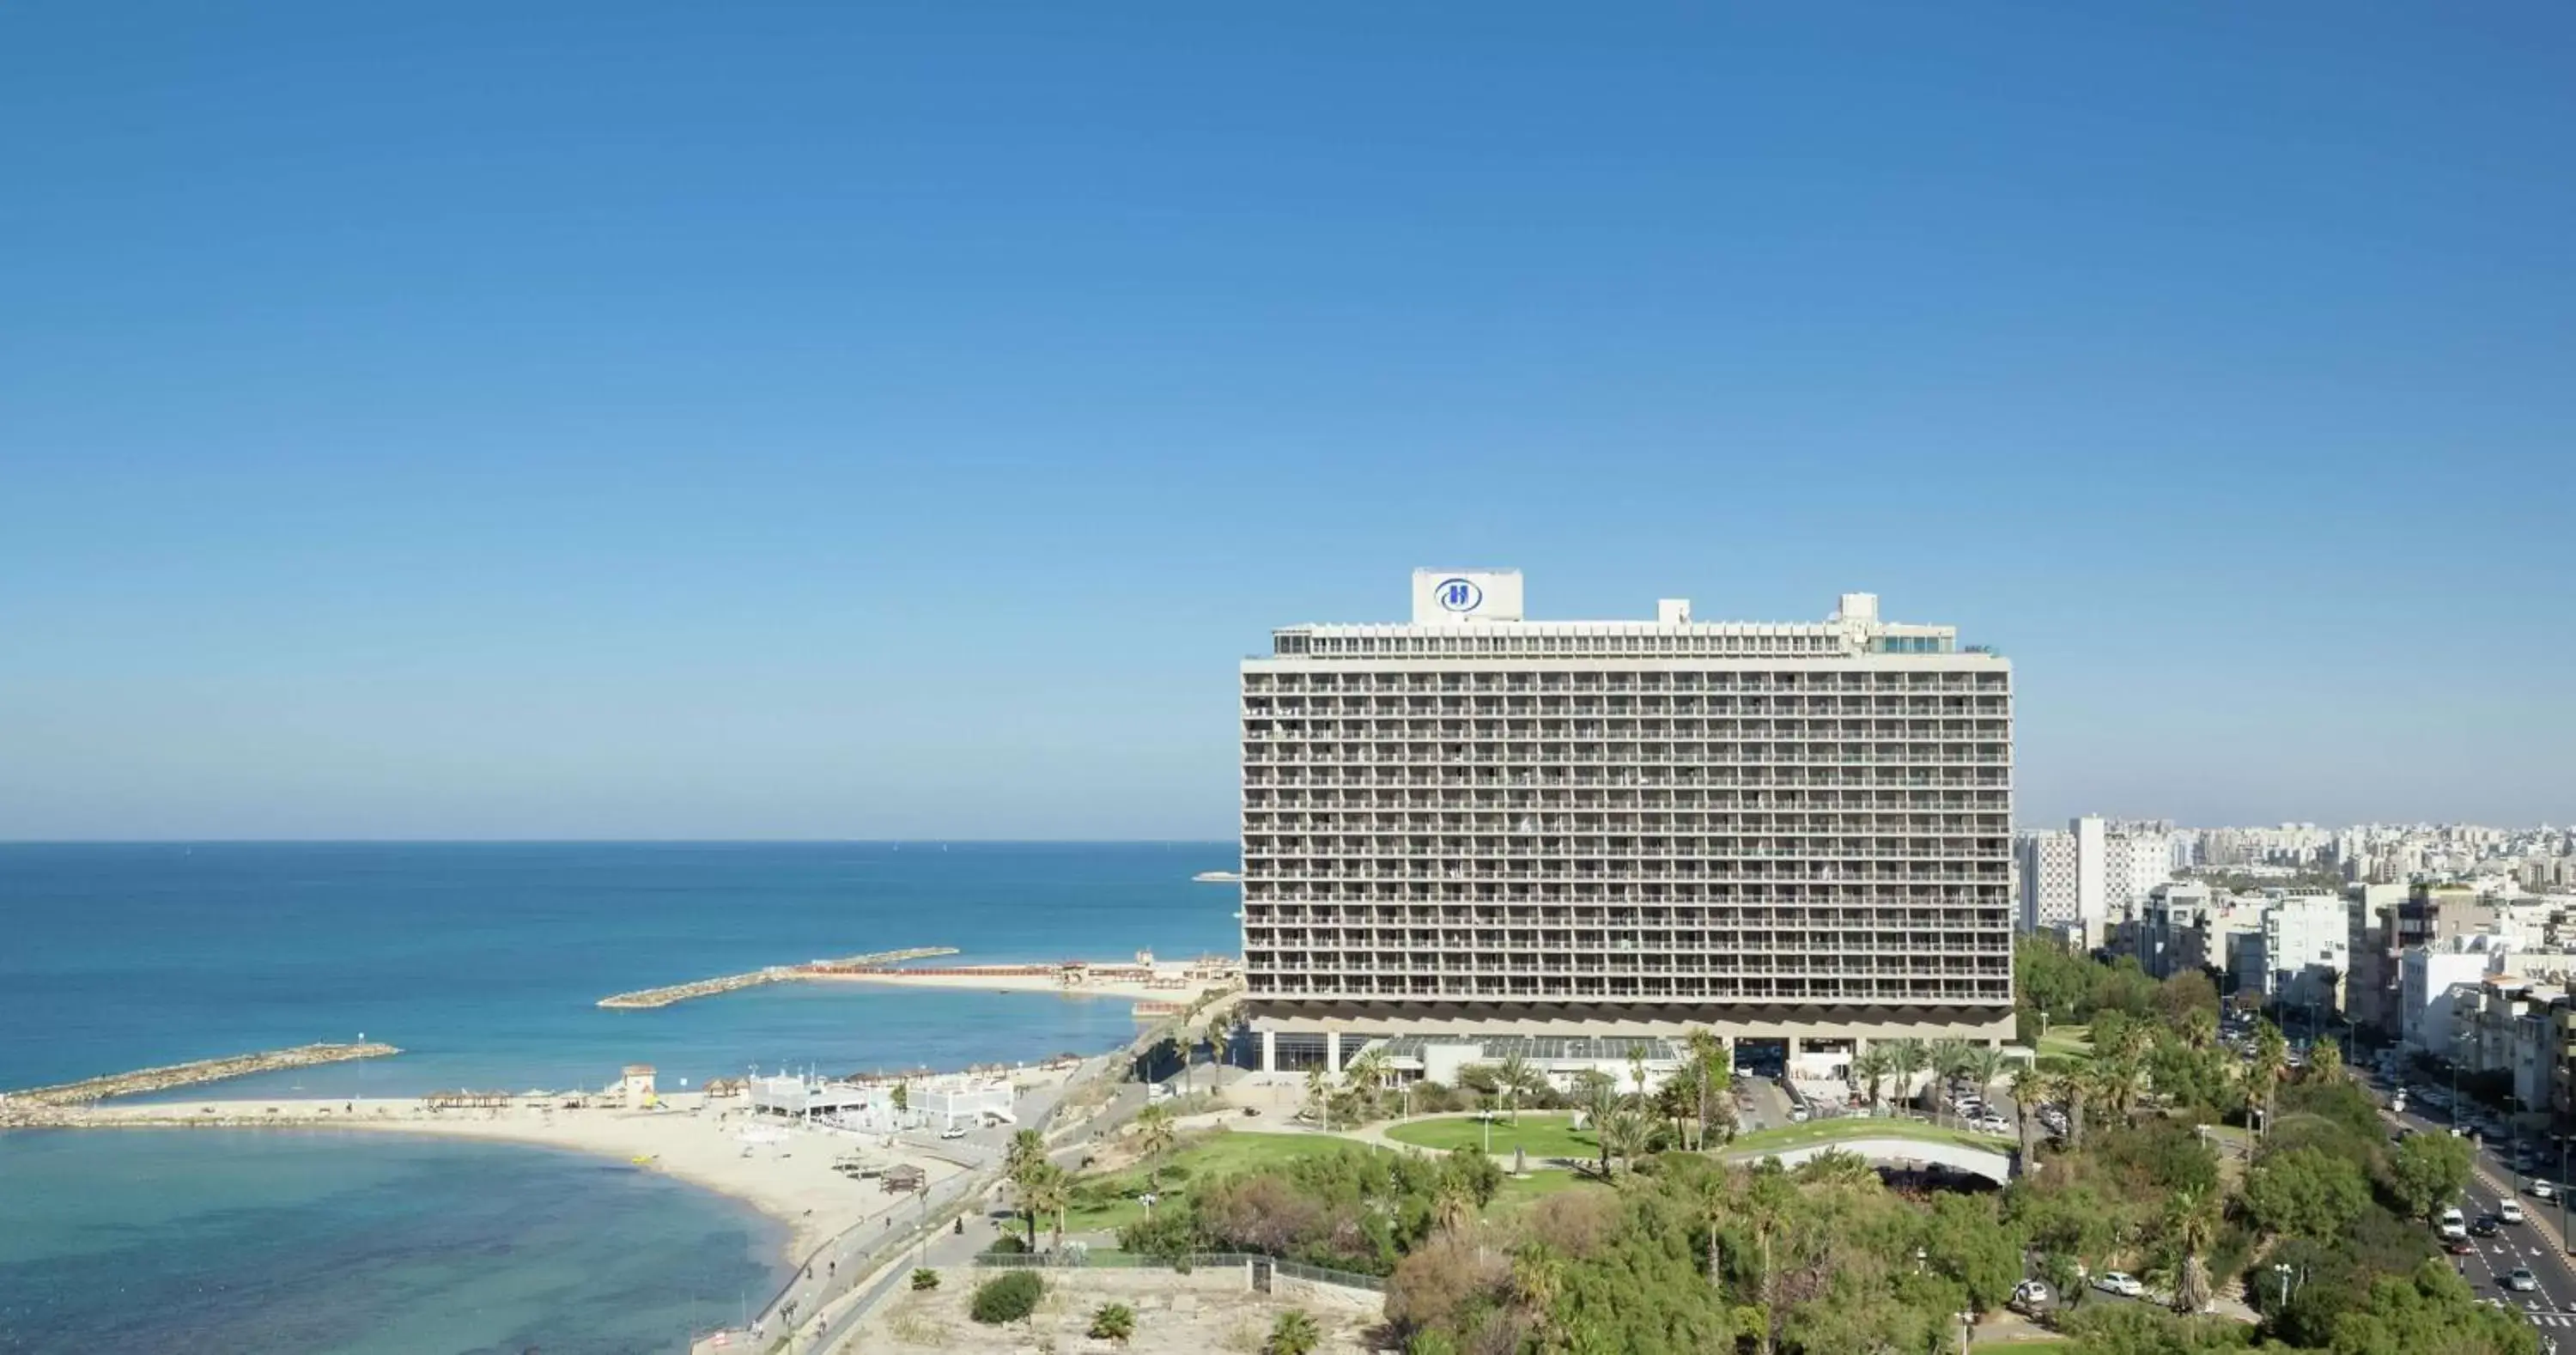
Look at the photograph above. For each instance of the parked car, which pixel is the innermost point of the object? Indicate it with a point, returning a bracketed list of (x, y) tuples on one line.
[(2030, 1296), (2520, 1280), (2119, 1282), (953, 1131)]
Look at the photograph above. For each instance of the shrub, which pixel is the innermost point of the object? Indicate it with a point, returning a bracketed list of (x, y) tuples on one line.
[(1008, 1244), (1114, 1322), (1006, 1298), (1293, 1334), (925, 1278)]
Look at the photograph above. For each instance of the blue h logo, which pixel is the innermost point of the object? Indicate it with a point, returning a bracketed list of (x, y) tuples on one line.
[(1458, 595)]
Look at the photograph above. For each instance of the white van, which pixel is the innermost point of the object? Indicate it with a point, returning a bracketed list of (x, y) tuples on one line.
[(2453, 1226)]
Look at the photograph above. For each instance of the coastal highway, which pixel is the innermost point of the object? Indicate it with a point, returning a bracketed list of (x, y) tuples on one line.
[(2553, 1307)]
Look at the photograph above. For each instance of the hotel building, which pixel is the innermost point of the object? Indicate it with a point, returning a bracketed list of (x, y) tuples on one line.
[(1573, 837)]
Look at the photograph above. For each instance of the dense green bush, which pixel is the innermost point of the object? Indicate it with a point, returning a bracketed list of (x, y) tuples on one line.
[(1007, 1297), (925, 1278)]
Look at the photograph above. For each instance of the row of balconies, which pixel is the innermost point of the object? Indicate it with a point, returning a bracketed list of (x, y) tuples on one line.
[(1698, 806), (1686, 893), (1780, 966), (1954, 941), (1621, 707), (1626, 987), (1655, 788), (1659, 824), (1617, 842), (1319, 725), (1740, 915), (1790, 676)]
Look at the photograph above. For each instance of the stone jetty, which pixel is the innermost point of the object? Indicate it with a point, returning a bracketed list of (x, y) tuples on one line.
[(189, 1074), (682, 992)]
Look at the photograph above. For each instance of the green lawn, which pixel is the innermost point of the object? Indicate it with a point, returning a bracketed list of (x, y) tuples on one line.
[(1856, 1127), (1518, 1190), (1218, 1154), (1539, 1134)]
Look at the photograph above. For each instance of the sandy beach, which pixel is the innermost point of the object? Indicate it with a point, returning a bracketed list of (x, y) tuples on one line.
[(1168, 990), (785, 1172)]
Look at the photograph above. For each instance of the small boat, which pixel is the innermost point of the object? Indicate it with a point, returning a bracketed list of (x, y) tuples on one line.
[(1219, 877)]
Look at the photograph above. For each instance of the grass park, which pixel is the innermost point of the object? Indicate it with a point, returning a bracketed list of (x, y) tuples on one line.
[(1541, 1134)]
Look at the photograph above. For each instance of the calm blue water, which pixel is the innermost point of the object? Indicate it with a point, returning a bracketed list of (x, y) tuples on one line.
[(482, 962)]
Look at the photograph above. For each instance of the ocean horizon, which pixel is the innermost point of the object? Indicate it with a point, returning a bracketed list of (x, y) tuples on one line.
[(483, 962)]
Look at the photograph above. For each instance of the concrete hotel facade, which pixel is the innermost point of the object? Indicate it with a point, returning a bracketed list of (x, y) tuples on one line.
[(1477, 825)]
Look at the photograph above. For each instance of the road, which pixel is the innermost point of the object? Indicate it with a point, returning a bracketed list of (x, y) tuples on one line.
[(2532, 1244)]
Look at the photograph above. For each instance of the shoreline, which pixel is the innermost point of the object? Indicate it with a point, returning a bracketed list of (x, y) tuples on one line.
[(787, 1175)]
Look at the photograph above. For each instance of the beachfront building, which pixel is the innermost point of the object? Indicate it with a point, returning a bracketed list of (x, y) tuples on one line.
[(1475, 826), (941, 1101)]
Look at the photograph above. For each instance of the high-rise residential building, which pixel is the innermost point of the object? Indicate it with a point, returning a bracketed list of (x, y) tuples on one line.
[(2050, 899), (1475, 826)]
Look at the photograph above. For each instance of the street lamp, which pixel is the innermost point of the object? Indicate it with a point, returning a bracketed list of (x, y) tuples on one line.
[(1967, 1330), (2282, 1269), (1920, 1256)]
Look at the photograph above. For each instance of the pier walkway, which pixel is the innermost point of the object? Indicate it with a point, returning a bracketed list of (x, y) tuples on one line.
[(682, 992)]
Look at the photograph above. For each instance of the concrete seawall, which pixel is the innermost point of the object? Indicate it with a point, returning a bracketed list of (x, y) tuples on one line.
[(189, 1074), (644, 998)]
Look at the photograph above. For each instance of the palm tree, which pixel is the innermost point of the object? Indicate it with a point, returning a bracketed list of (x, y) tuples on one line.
[(2192, 1222), (2028, 1086), (1985, 1065), (1453, 1208), (1319, 1098), (1716, 1199), (2071, 1087), (1047, 1189), (1154, 1138), (1949, 1064), (1513, 1076), (1113, 1322), (1767, 1198), (2325, 1062), (2271, 1059), (1871, 1066), (1601, 1108), (1025, 1161), (2200, 1029), (1293, 1334), (1626, 1133), (1366, 1077), (1905, 1059)]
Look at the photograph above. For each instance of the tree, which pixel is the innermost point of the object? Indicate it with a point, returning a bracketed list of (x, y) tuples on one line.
[(2325, 1062), (1905, 1059), (2191, 1226), (1319, 1098), (1964, 1241), (1366, 1076), (1949, 1063), (1293, 1334), (2427, 1172), (2028, 1086), (1624, 1132), (2306, 1192), (1985, 1065), (1048, 1189), (902, 1098), (1871, 1066), (1601, 1106), (2263, 1073), (2071, 1087), (1006, 1297), (1113, 1322), (1154, 1138), (1514, 1076), (1022, 1165), (1715, 1068)]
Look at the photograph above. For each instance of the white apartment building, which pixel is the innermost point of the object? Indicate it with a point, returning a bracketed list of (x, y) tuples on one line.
[(2090, 874), (2426, 981), (2050, 897), (2306, 950), (1478, 826)]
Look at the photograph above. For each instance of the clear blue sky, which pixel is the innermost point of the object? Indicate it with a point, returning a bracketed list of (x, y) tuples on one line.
[(643, 419)]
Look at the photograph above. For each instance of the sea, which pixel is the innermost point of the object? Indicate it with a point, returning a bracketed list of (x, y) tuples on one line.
[(483, 962)]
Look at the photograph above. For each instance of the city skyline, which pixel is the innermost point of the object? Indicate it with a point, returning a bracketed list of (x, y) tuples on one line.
[(641, 422)]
